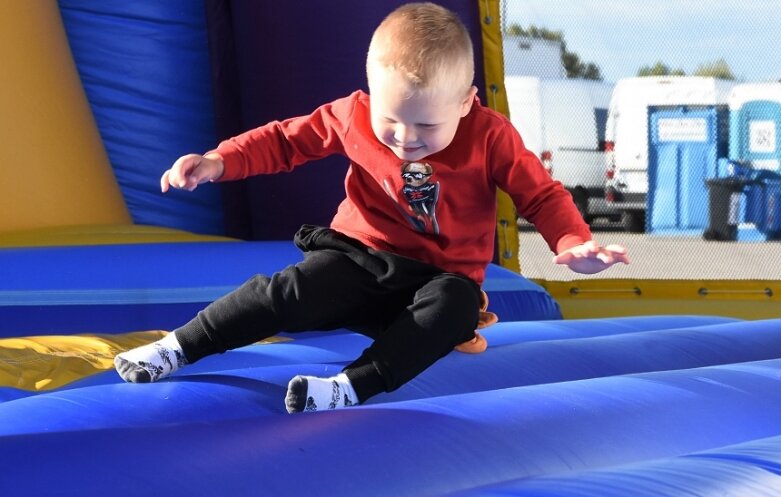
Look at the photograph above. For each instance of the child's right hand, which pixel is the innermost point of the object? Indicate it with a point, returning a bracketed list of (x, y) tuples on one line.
[(191, 170)]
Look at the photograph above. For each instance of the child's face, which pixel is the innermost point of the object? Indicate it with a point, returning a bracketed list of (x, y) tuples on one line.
[(414, 124)]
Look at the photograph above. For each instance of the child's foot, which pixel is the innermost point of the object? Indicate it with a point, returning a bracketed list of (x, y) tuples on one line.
[(308, 393), (151, 362)]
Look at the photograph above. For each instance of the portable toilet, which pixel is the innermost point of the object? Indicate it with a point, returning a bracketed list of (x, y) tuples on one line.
[(627, 180), (755, 122), (685, 144), (755, 118)]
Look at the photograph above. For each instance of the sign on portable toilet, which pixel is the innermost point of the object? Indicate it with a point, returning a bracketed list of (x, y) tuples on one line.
[(684, 145), (755, 124)]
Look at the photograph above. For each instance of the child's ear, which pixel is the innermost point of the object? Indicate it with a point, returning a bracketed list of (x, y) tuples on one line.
[(466, 104)]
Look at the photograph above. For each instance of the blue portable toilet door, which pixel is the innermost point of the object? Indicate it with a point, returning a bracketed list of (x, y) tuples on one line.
[(684, 146)]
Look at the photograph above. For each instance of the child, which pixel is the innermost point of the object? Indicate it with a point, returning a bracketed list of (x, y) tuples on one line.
[(406, 252)]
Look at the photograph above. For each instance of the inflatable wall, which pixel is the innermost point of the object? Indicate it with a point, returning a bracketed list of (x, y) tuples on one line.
[(145, 69), (162, 79)]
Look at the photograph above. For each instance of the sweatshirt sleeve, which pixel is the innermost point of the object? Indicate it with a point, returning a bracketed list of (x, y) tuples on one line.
[(541, 200), (280, 146)]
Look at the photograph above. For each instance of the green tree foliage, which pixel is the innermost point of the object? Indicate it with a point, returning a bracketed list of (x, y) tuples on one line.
[(577, 69), (718, 69), (535, 32), (660, 69), (574, 67)]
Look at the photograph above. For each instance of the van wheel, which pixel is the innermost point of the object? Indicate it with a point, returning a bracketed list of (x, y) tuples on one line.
[(633, 221), (581, 202)]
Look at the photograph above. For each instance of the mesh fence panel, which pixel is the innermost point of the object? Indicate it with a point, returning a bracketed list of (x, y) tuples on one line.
[(662, 121)]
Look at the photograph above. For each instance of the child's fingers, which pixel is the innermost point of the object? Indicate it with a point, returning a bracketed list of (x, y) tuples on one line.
[(619, 249), (591, 246), (164, 182), (619, 253)]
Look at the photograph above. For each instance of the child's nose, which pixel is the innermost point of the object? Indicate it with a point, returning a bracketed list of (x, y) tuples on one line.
[(404, 134)]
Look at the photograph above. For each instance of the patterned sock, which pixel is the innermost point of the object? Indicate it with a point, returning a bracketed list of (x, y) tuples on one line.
[(308, 393), (151, 362)]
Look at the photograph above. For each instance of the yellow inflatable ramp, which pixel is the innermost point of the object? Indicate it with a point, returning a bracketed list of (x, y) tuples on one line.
[(41, 363), (55, 169)]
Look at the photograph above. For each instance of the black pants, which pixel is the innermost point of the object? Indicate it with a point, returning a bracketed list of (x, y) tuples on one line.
[(414, 312)]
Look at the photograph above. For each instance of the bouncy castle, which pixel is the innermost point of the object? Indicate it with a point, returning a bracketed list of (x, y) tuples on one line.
[(594, 388)]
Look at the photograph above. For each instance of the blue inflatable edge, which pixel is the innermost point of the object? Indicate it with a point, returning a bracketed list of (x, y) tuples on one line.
[(131, 287)]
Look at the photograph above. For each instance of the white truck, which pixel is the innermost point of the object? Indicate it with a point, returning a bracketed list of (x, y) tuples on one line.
[(626, 135), (563, 122)]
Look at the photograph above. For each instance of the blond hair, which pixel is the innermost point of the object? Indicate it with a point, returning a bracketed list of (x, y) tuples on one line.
[(426, 44)]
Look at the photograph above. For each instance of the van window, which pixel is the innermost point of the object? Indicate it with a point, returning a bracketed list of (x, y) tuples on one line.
[(600, 117)]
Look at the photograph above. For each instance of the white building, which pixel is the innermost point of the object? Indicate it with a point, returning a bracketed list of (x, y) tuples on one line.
[(524, 56)]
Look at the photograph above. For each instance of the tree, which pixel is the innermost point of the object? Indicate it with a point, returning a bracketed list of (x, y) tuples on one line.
[(574, 67), (577, 69), (659, 69), (717, 69), (533, 31)]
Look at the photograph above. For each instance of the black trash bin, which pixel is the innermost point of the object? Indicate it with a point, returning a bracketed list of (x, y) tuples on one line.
[(724, 207)]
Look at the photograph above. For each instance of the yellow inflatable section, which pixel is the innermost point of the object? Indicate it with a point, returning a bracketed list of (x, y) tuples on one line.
[(103, 234), (55, 171), (493, 66), (41, 363), (47, 362)]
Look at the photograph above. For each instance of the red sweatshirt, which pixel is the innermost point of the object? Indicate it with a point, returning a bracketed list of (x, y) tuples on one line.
[(440, 210)]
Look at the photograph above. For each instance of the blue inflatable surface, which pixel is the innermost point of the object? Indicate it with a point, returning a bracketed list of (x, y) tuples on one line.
[(647, 405), (226, 430)]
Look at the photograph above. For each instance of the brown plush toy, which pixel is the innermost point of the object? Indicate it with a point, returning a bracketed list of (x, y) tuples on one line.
[(486, 318)]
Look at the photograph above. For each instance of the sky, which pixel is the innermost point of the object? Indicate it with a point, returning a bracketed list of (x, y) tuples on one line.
[(621, 36)]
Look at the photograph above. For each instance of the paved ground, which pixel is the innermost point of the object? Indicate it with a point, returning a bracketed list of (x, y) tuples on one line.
[(662, 257)]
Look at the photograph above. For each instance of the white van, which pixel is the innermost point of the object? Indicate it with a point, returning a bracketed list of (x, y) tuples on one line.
[(563, 122), (626, 134)]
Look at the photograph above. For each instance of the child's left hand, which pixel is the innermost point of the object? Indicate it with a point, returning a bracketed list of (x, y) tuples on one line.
[(590, 257)]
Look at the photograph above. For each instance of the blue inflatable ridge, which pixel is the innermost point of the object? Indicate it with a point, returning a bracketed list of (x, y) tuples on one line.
[(750, 469), (342, 347), (205, 391)]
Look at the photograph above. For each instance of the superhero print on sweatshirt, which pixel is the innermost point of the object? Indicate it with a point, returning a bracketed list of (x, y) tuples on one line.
[(418, 197)]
